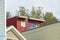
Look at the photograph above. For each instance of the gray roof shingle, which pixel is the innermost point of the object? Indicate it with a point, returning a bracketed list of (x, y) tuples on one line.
[(50, 32)]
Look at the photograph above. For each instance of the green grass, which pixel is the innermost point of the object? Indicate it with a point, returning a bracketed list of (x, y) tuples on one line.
[(50, 32)]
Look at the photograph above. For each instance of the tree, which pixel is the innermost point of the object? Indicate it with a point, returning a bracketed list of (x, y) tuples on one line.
[(50, 18), (22, 11), (33, 12), (38, 13), (27, 12), (8, 15)]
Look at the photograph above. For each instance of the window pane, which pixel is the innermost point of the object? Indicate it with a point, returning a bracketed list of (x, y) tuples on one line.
[(32, 25), (23, 23)]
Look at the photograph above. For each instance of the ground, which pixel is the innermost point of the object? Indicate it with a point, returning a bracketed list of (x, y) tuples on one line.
[(50, 32)]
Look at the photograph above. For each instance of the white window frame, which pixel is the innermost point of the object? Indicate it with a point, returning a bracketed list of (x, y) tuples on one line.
[(23, 24)]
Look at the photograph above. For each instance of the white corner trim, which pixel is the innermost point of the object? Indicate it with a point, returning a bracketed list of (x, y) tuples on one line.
[(12, 27)]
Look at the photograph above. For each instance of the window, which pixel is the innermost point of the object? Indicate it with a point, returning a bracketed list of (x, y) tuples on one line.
[(36, 25), (23, 23), (32, 25)]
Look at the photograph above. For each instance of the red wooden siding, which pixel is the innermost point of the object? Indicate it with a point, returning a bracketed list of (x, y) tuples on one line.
[(27, 25), (17, 23), (11, 21)]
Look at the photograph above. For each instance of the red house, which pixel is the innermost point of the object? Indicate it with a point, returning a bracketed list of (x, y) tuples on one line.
[(22, 23)]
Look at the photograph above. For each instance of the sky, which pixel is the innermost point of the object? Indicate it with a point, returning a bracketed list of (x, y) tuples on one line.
[(48, 6)]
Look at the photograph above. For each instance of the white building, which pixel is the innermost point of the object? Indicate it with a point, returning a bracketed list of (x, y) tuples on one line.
[(2, 19), (14, 34)]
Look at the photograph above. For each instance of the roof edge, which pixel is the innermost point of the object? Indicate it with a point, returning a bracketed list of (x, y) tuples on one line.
[(12, 27)]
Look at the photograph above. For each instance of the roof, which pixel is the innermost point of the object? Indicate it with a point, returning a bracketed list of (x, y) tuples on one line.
[(37, 19), (50, 32), (32, 18), (15, 31), (24, 17)]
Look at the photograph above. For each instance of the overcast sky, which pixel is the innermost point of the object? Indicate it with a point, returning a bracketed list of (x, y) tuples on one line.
[(48, 5)]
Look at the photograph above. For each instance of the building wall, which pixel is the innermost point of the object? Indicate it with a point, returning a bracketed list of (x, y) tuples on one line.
[(34, 22), (17, 23), (27, 22), (2, 19), (19, 27), (12, 21), (27, 25), (11, 36)]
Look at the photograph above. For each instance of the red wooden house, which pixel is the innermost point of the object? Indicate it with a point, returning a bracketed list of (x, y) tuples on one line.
[(22, 23)]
